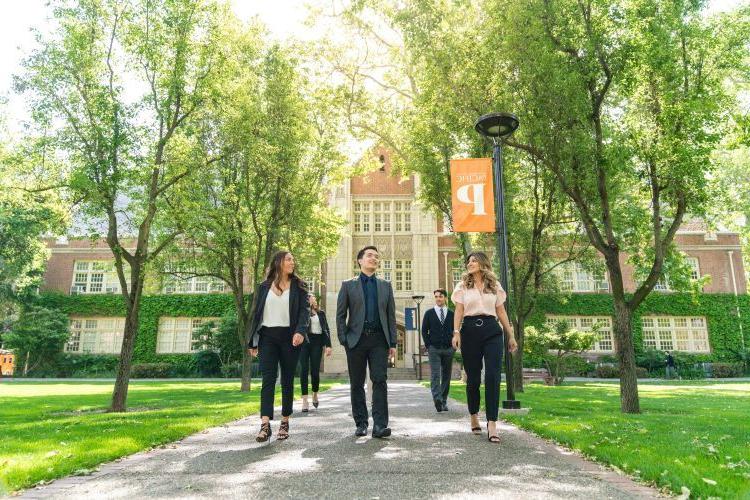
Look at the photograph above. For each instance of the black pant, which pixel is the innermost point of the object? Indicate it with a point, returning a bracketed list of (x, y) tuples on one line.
[(309, 361), (441, 362), (371, 349), (275, 350), (482, 340)]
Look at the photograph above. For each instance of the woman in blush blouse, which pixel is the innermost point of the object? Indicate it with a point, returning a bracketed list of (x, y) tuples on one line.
[(479, 302)]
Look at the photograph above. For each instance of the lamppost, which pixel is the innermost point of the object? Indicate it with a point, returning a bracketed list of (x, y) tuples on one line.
[(418, 299), (498, 127)]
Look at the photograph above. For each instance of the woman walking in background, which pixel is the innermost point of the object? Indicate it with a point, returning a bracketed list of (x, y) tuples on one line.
[(479, 302), (319, 338), (279, 326)]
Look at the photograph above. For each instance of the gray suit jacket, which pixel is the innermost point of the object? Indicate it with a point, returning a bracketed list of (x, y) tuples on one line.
[(352, 301)]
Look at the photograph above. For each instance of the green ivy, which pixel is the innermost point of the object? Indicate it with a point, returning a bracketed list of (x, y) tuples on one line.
[(152, 308), (718, 309)]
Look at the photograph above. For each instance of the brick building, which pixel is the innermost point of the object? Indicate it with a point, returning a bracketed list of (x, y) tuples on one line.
[(418, 255)]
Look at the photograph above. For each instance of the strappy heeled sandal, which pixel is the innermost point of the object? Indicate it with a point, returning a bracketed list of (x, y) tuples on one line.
[(315, 403), (476, 430), (494, 438), (283, 430), (265, 432)]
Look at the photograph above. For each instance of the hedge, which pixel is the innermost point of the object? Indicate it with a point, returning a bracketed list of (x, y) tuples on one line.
[(718, 309), (153, 307)]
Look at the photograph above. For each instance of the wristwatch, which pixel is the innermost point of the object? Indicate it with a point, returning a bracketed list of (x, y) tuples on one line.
[(457, 331)]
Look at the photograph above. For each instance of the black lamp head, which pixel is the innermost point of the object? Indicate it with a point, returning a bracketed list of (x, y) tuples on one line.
[(497, 125)]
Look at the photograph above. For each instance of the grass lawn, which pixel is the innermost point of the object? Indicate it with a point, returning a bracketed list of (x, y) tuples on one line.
[(691, 434), (50, 430)]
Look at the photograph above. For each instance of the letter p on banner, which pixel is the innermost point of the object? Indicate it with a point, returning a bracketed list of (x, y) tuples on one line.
[(472, 201)]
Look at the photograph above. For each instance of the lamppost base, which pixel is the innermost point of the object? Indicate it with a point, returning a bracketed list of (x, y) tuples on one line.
[(512, 404)]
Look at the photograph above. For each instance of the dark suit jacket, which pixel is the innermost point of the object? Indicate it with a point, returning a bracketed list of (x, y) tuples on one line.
[(433, 333), (350, 312), (324, 326), (299, 311)]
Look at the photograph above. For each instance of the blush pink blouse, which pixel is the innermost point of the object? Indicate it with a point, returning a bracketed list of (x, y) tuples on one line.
[(478, 304)]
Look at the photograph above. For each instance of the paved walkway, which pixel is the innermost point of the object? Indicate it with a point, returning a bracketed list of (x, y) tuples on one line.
[(430, 455)]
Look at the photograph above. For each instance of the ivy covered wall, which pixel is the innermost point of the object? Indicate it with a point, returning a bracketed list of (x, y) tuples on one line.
[(718, 309)]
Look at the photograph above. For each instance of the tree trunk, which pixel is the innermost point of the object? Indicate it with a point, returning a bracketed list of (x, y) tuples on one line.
[(120, 393), (247, 369), (626, 356), (26, 365), (245, 318)]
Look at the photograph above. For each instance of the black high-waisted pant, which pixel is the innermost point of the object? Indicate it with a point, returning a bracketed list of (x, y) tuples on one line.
[(275, 350), (482, 343), (309, 361)]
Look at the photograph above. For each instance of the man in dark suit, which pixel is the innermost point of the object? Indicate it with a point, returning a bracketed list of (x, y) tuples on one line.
[(366, 327), (437, 333)]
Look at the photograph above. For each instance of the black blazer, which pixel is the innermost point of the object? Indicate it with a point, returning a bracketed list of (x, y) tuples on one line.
[(299, 311), (434, 333), (324, 326)]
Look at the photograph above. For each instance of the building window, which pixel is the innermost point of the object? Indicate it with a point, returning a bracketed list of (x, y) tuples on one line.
[(662, 285), (402, 275), (96, 276), (675, 333), (456, 274), (181, 335), (402, 213), (695, 270), (95, 335), (586, 324), (386, 270), (573, 277), (381, 216), (193, 284)]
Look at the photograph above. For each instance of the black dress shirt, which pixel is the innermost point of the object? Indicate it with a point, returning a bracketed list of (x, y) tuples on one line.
[(370, 288)]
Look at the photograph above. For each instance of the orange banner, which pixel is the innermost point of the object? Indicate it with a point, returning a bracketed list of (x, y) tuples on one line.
[(472, 201)]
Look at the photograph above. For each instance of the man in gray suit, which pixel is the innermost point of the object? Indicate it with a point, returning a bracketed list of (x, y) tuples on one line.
[(366, 326)]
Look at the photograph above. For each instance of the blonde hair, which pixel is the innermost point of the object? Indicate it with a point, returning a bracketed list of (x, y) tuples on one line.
[(485, 268)]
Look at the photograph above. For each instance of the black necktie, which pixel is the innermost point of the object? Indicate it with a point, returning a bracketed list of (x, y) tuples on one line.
[(442, 315)]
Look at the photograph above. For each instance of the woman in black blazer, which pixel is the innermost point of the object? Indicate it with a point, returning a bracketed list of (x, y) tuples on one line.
[(319, 336), (279, 326)]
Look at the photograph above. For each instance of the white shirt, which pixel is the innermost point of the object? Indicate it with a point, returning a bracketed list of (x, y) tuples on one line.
[(276, 310), (445, 311), (315, 327)]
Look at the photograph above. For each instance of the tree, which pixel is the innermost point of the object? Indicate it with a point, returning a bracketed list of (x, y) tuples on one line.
[(276, 147), (115, 92), (563, 341), (38, 336), (417, 86), (623, 104)]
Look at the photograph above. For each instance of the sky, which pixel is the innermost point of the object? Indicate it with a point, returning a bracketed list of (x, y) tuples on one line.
[(284, 19)]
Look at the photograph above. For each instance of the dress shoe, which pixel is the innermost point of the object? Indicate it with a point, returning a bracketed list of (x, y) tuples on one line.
[(438, 405), (445, 406), (361, 430), (380, 432)]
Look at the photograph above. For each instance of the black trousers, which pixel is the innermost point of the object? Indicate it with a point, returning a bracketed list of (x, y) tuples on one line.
[(275, 350), (371, 350), (309, 362), (482, 343)]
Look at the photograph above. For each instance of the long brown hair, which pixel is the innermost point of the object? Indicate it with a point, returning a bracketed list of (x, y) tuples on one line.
[(485, 268), (273, 274)]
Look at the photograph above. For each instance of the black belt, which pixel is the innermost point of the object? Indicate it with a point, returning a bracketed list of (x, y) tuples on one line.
[(371, 328)]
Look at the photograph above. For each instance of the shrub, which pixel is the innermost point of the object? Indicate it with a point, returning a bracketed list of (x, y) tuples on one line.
[(577, 366), (641, 372), (651, 359), (233, 370), (151, 370), (560, 339), (727, 370), (607, 371), (207, 363), (183, 366)]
